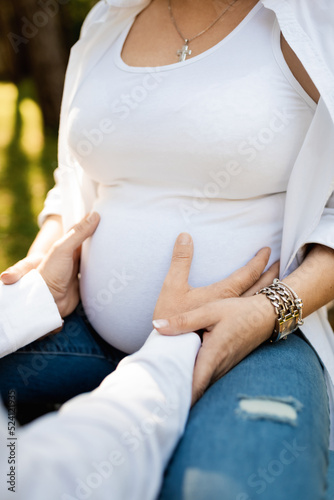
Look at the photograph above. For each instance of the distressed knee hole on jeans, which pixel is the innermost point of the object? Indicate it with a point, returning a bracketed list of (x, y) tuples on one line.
[(269, 408)]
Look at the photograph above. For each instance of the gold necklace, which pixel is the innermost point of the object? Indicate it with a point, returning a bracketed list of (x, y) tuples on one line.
[(185, 51)]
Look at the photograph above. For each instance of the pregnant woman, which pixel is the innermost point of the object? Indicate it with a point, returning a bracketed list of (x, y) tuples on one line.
[(214, 118)]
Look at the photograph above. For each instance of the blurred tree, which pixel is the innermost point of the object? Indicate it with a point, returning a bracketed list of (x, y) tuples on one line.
[(74, 14), (35, 39), (41, 35), (11, 64)]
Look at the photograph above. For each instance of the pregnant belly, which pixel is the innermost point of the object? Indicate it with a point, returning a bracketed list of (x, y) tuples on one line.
[(125, 262)]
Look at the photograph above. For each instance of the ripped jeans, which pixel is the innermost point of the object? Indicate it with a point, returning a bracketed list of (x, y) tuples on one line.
[(259, 433)]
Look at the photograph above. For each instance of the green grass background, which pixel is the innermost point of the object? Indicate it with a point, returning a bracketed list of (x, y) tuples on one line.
[(27, 160)]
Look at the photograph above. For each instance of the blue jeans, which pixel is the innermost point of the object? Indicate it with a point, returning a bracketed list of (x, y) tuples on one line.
[(50, 371), (239, 446), (261, 432)]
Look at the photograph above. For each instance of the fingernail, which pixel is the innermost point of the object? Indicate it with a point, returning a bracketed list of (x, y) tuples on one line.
[(160, 323), (92, 217), (5, 278), (184, 239)]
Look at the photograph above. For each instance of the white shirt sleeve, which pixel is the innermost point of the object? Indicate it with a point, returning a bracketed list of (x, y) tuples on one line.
[(27, 312), (52, 205), (323, 234), (54, 202), (116, 441)]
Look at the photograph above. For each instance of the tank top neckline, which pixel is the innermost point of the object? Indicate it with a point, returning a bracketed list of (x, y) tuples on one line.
[(284, 67), (178, 65)]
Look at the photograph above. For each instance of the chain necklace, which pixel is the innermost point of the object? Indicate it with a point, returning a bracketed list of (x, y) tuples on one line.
[(185, 51)]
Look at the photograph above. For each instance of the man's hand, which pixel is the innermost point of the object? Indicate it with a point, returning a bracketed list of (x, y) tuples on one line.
[(14, 273), (234, 321), (51, 231), (60, 267)]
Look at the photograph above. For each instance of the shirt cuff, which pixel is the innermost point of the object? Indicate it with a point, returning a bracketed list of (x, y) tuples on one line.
[(28, 312), (323, 234), (52, 205)]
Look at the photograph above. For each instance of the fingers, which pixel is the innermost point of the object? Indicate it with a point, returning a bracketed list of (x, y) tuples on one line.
[(15, 273), (248, 275), (266, 279), (191, 321), (79, 233), (72, 240), (245, 277), (181, 259)]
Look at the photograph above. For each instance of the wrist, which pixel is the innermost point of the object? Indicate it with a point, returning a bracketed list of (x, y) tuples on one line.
[(264, 309), (288, 307)]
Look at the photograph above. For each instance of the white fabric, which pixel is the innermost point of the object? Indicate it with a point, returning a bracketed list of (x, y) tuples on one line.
[(186, 156), (307, 27), (114, 442), (27, 312)]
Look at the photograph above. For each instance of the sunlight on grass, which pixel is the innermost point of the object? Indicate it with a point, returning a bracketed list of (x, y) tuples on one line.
[(32, 138), (27, 158), (32, 142), (8, 99)]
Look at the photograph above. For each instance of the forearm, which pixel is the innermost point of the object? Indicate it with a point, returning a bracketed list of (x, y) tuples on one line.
[(50, 232), (117, 435), (313, 280)]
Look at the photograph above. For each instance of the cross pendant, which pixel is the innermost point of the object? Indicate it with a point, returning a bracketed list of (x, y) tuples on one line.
[(184, 52)]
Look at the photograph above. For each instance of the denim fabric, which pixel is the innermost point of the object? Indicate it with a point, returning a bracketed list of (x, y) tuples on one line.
[(231, 454), (52, 370), (331, 476), (226, 453)]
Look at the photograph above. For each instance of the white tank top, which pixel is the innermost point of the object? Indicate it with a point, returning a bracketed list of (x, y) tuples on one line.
[(204, 146)]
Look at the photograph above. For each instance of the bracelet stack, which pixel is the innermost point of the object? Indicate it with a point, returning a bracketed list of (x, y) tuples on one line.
[(288, 307)]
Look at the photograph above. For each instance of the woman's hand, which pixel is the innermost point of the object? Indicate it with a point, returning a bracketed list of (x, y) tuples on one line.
[(234, 320), (233, 329), (177, 296), (60, 267)]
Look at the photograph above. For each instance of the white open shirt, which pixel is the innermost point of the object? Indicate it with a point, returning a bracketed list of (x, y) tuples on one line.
[(309, 211)]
